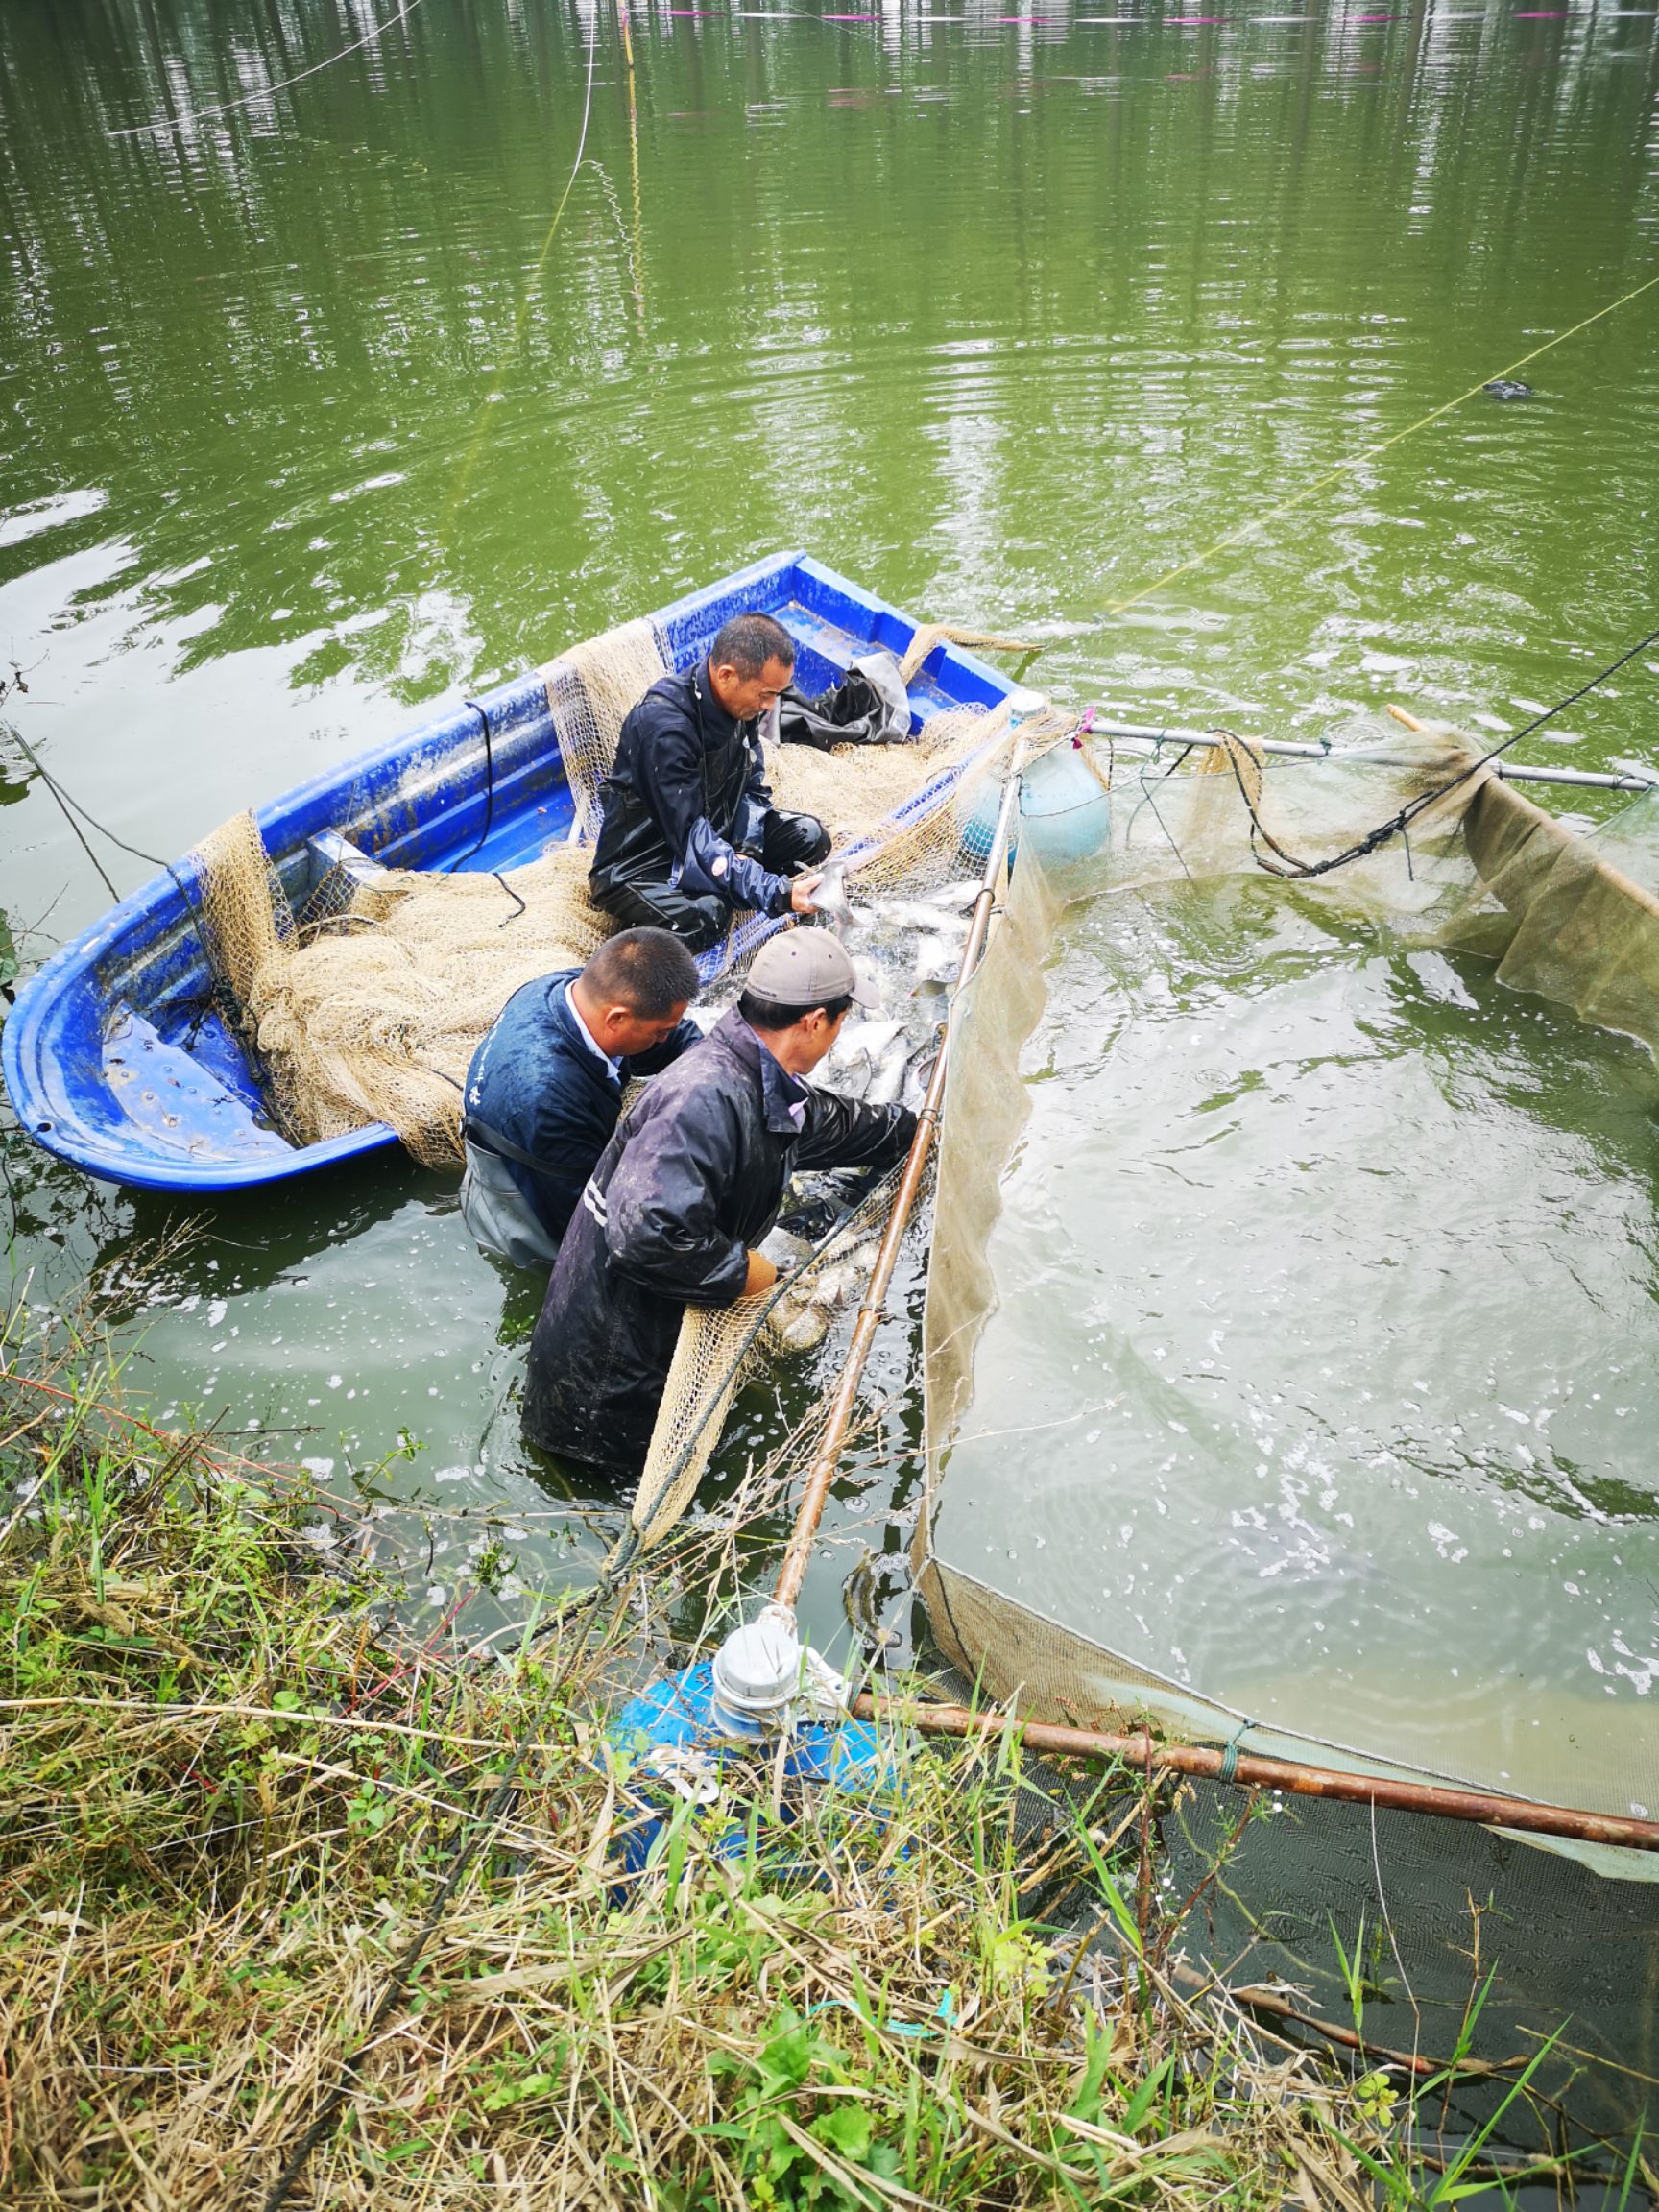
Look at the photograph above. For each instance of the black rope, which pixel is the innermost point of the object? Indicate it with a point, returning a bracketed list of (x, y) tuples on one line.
[(473, 850), (1300, 871), (69, 807)]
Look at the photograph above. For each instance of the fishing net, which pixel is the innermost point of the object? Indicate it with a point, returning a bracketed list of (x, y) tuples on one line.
[(718, 1347), (1570, 917), (365, 1001), (943, 829)]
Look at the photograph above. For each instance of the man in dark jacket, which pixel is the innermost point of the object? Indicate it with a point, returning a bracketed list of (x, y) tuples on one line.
[(688, 1187), (689, 834), (546, 1086)]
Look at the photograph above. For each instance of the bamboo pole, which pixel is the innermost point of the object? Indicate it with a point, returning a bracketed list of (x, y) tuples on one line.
[(815, 1492), (1247, 1772)]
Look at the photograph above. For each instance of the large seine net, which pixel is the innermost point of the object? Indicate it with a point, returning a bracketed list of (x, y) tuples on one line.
[(1480, 868), (368, 1005)]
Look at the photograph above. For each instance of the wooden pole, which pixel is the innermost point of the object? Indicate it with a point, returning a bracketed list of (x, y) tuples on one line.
[(815, 1492), (1145, 1753)]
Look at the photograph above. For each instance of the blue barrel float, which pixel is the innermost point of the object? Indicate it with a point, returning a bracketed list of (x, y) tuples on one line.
[(682, 1736), (1065, 811)]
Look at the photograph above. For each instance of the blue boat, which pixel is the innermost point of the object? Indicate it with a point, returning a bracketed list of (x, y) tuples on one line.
[(113, 1055)]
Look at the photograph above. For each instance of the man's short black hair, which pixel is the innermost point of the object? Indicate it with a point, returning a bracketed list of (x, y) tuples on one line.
[(765, 1014), (748, 641), (647, 971)]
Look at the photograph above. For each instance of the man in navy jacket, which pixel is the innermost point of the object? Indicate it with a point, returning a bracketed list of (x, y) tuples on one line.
[(689, 834), (686, 1189), (546, 1086)]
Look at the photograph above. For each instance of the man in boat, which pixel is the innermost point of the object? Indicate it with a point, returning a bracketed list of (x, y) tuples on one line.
[(688, 1187), (546, 1086), (689, 834)]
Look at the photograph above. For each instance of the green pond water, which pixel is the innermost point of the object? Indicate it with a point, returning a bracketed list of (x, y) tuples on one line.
[(346, 401)]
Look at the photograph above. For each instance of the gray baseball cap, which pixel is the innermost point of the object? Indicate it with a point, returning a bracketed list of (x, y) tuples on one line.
[(806, 968)]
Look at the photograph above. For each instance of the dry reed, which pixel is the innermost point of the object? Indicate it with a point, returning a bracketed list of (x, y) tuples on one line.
[(230, 1790)]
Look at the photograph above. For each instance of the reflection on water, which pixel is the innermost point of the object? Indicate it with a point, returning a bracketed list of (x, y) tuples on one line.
[(312, 415), (1327, 1278)]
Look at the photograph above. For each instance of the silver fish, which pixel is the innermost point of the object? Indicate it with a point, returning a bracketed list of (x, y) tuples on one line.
[(888, 1080), (955, 898), (910, 914), (830, 896), (937, 960), (855, 1055), (800, 1327), (871, 976), (785, 1250)]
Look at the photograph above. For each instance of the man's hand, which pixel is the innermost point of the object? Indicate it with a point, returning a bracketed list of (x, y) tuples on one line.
[(800, 900), (760, 1277)]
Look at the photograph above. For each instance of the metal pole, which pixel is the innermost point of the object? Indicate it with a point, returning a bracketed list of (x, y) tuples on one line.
[(815, 1492), (1147, 1752), (1150, 733)]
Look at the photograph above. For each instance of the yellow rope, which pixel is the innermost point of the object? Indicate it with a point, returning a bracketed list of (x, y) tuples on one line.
[(463, 473), (1367, 453)]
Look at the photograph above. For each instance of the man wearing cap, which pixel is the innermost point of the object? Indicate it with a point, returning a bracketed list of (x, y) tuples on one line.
[(689, 834), (686, 1188)]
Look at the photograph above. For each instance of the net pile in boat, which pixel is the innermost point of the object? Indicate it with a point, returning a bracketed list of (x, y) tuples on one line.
[(368, 1003)]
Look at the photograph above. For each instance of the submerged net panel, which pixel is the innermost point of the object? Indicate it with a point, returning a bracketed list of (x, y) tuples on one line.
[(1565, 916), (1480, 868)]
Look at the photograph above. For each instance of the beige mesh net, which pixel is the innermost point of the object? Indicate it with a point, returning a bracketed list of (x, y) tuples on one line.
[(1573, 918), (719, 1347), (371, 1011), (591, 691), (969, 753)]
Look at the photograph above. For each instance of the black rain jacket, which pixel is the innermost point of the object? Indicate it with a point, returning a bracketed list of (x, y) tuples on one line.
[(685, 795), (694, 1176)]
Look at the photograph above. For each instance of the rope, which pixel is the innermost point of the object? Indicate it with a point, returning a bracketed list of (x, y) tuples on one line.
[(1301, 870), (1368, 453), (1228, 1770), (69, 807), (463, 474), (489, 795), (266, 92)]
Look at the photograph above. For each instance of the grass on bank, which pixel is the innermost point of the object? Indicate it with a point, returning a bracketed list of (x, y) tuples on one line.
[(228, 1790)]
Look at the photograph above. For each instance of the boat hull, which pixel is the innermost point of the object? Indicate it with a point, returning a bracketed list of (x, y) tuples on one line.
[(114, 1057)]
